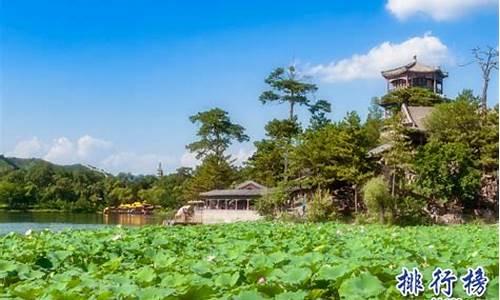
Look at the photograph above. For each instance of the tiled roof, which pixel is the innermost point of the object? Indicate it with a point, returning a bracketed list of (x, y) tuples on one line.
[(234, 193), (241, 190), (414, 66), (415, 115)]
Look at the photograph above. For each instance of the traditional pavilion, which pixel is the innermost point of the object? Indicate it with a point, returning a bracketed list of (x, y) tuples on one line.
[(242, 197), (415, 74)]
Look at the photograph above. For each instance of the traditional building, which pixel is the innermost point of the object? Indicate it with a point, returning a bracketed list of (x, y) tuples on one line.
[(242, 197), (415, 74), (413, 117), (159, 171)]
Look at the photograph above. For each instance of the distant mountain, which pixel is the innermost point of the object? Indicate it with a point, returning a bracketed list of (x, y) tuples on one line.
[(15, 163)]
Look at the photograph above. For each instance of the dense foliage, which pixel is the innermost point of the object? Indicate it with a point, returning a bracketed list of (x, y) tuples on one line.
[(417, 96), (43, 185), (377, 197), (240, 261)]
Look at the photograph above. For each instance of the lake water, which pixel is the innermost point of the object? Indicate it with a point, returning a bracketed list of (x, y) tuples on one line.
[(23, 221)]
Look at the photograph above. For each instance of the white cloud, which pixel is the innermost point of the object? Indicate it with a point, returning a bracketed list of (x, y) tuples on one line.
[(90, 147), (89, 150), (428, 48), (102, 154), (86, 149), (189, 160), (28, 149), (62, 151), (134, 163), (439, 10), (242, 155), (238, 155)]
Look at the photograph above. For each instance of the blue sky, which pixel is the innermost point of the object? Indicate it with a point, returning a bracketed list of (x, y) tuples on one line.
[(112, 83)]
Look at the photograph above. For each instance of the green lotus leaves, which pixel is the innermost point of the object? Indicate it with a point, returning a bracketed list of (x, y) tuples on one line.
[(226, 280), (332, 273), (249, 295), (239, 261), (363, 286)]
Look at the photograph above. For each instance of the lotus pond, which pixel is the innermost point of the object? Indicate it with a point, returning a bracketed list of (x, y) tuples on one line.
[(239, 261)]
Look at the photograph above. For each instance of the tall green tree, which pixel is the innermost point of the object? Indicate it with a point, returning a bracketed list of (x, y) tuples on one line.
[(286, 87), (268, 165), (400, 156), (211, 174), (216, 133), (333, 156), (457, 121), (318, 112), (374, 123)]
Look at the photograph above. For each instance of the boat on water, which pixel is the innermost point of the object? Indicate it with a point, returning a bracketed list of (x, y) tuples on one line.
[(136, 208)]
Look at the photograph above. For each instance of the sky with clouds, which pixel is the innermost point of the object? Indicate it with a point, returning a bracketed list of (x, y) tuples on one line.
[(112, 83)]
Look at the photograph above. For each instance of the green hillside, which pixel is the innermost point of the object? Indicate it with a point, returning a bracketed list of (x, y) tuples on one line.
[(15, 163)]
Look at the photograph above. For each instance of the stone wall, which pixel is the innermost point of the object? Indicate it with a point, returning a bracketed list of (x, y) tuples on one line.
[(213, 216)]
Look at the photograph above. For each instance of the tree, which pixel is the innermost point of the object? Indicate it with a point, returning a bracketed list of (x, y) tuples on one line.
[(272, 203), (487, 59), (41, 174), (318, 112), (287, 87), (457, 121), (216, 133), (266, 165), (213, 173), (374, 123), (332, 156), (269, 163), (446, 173), (399, 157), (168, 190), (412, 96), (321, 207), (377, 197), (489, 141), (14, 195)]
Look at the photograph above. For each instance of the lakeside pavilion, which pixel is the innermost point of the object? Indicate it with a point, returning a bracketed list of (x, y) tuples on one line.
[(242, 197)]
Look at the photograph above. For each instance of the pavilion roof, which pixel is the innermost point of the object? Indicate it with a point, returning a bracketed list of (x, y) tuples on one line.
[(414, 67), (246, 189)]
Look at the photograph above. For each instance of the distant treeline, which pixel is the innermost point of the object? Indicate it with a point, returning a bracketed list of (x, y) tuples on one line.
[(38, 184)]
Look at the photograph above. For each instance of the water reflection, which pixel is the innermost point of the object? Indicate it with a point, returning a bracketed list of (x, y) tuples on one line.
[(22, 221), (131, 220)]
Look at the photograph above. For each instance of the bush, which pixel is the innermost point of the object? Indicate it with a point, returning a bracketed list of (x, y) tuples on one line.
[(363, 219), (320, 208), (82, 205), (411, 211), (377, 198), (272, 203)]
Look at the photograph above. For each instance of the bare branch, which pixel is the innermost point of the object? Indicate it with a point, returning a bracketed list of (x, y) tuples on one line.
[(487, 60)]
